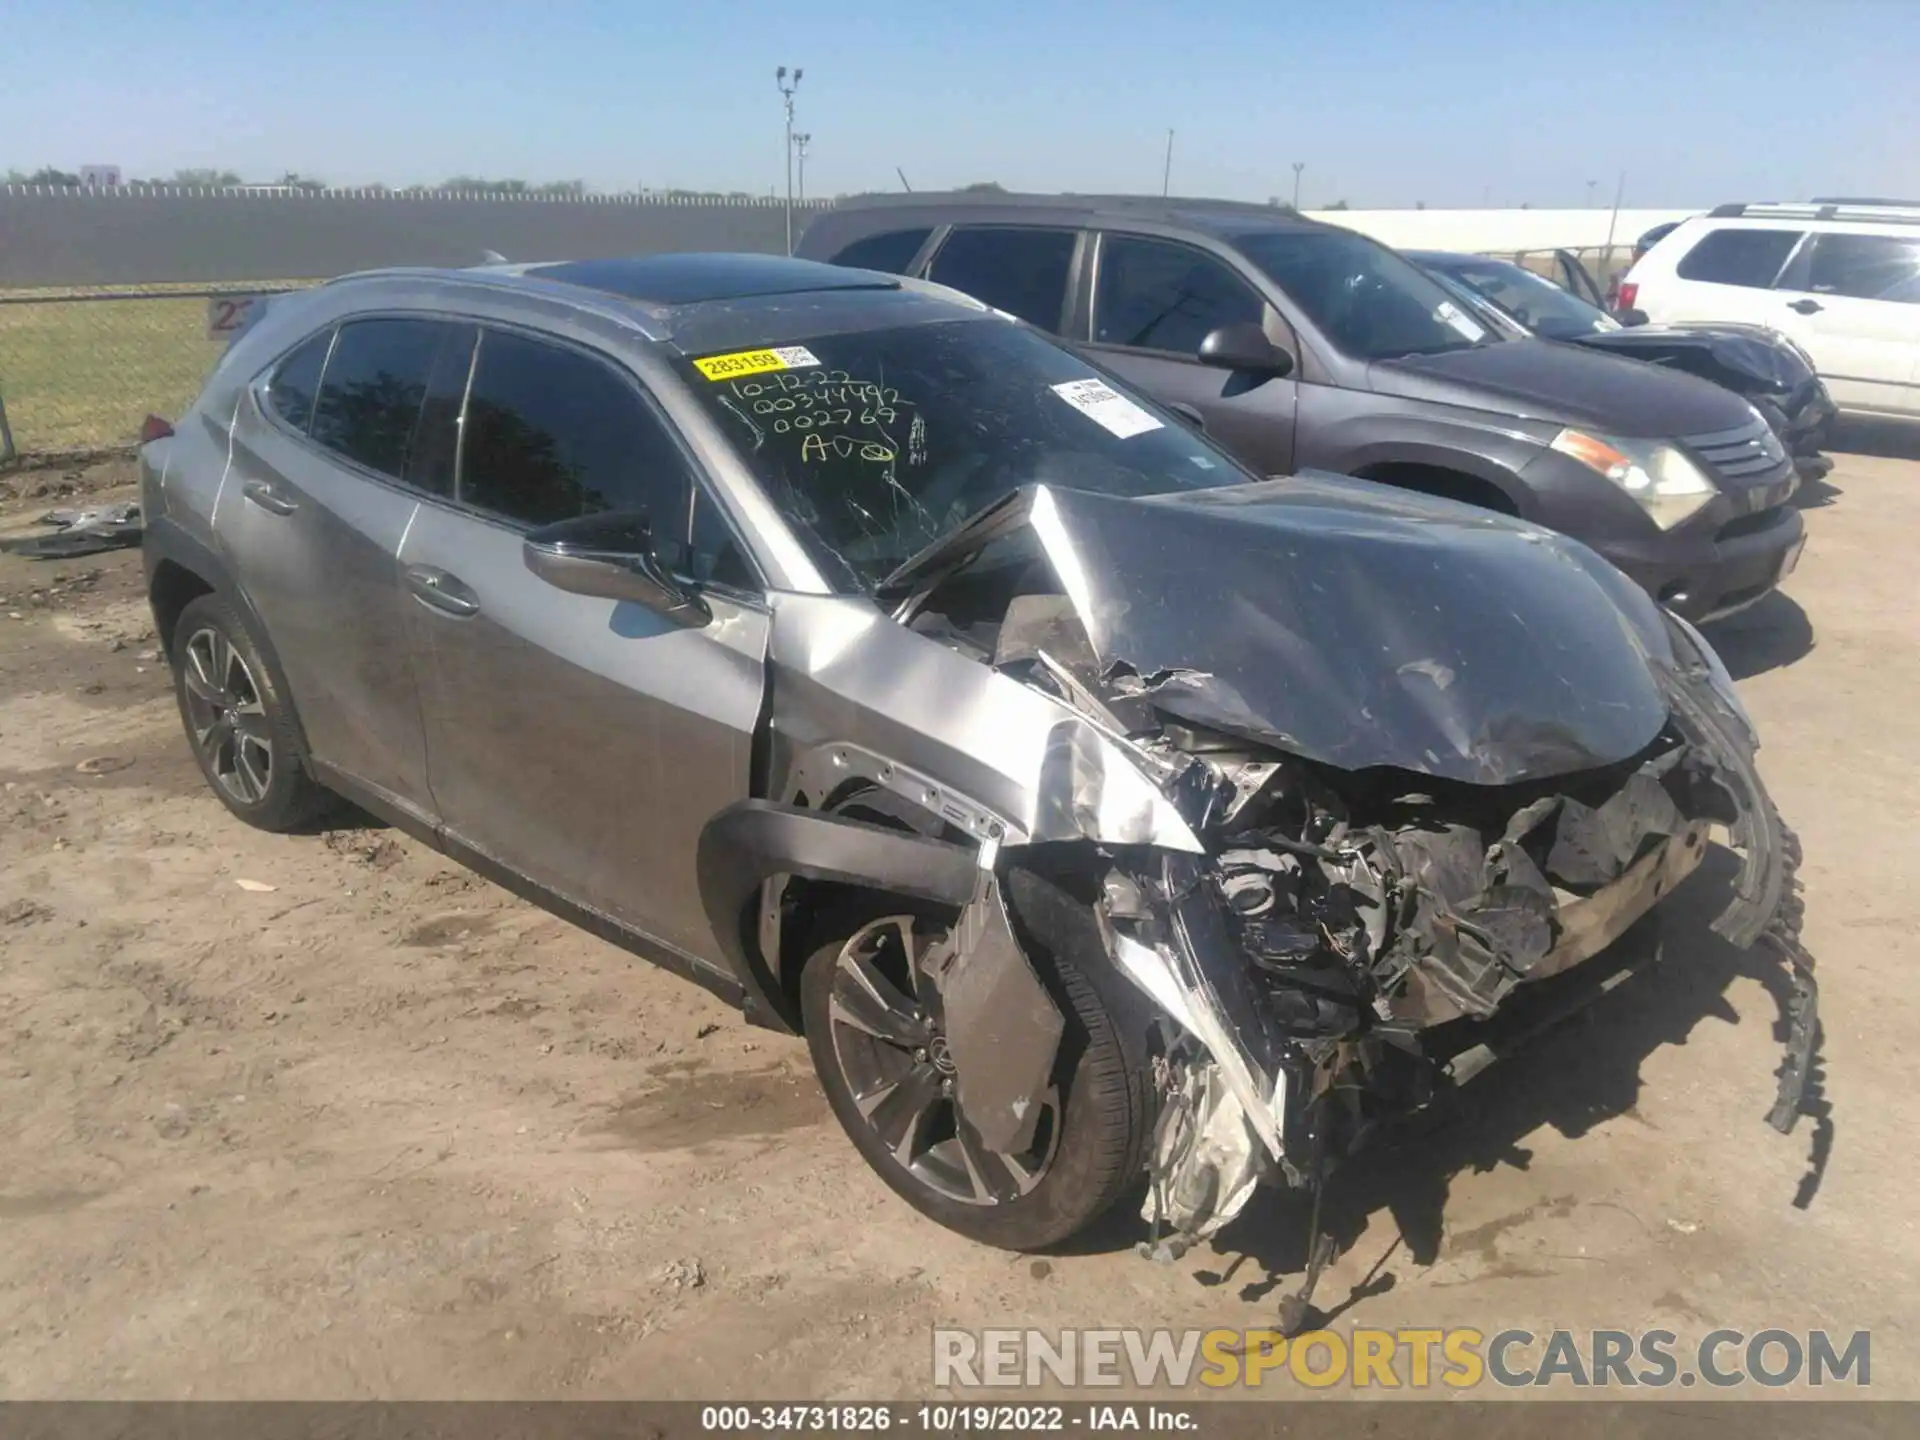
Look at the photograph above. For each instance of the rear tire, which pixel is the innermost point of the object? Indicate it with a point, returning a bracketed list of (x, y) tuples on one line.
[(1091, 1140), (241, 727)]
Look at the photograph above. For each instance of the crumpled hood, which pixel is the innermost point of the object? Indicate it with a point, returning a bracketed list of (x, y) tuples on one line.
[(1568, 385), (1750, 350), (1352, 623)]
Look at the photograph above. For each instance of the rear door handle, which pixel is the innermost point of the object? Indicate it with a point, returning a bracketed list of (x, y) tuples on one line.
[(446, 593), (1807, 307), (268, 498)]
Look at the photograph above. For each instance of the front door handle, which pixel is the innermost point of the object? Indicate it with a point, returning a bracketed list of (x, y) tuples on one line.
[(1807, 307), (268, 498), (446, 593)]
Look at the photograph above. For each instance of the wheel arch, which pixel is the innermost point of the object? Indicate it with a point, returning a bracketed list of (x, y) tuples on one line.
[(180, 568)]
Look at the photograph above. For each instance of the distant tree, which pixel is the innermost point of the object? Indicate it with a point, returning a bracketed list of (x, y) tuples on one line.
[(47, 175), (983, 187), (482, 186), (1419, 204), (294, 180), (215, 178), (16, 177), (1339, 205)]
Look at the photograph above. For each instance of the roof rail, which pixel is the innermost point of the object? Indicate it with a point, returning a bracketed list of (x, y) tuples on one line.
[(1858, 211)]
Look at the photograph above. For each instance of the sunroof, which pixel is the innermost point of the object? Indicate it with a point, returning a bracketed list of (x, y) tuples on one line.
[(689, 279)]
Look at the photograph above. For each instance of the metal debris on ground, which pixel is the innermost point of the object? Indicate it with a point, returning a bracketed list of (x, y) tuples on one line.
[(82, 532)]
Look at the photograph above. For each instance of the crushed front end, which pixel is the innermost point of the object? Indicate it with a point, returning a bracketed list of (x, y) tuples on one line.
[(1440, 768)]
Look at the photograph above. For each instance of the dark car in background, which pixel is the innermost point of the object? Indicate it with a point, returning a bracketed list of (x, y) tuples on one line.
[(1298, 345), (1760, 365)]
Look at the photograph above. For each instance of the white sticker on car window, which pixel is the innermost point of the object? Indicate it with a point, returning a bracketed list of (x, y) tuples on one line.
[(1451, 314), (1107, 407)]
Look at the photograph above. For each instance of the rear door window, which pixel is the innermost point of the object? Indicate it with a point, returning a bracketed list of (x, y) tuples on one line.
[(291, 390), (1161, 295), (1021, 271), (892, 251), (1865, 267), (1752, 258), (370, 397)]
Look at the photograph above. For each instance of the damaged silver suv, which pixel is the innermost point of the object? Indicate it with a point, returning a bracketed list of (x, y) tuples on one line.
[(1100, 812)]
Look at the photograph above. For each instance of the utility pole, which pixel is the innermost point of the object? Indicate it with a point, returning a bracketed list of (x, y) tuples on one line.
[(1298, 166), (1619, 194), (800, 143), (1591, 185), (1166, 175), (786, 94)]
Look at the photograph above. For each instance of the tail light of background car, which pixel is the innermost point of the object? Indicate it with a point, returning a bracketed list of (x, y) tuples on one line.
[(1629, 292), (154, 428)]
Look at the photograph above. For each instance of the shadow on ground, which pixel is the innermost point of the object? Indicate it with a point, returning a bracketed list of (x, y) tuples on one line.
[(1886, 439), (1773, 633), (1578, 1075), (1817, 494)]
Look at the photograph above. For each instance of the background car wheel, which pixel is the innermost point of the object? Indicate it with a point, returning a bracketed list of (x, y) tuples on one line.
[(240, 726), (874, 1029)]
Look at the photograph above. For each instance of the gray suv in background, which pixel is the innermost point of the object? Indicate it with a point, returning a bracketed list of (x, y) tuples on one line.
[(874, 661), (1299, 346)]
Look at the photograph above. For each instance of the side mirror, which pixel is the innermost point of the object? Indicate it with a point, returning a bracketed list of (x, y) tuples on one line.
[(1243, 345), (612, 556), (1630, 317)]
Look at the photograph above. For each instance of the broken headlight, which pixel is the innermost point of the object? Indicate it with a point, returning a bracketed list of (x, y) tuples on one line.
[(1661, 480)]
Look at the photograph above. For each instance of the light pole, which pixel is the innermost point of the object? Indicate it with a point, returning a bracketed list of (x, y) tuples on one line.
[(786, 94), (800, 143), (1298, 166), (1166, 175)]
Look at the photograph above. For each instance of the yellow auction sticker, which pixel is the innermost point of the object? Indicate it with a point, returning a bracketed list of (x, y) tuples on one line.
[(754, 362)]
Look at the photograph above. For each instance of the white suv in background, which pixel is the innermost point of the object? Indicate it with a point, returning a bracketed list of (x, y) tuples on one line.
[(1841, 280)]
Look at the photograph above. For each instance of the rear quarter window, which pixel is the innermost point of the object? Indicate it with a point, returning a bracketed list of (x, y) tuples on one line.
[(1752, 258), (296, 381), (891, 251)]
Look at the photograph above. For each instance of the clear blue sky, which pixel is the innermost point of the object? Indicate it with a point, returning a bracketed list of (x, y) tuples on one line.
[(1454, 102)]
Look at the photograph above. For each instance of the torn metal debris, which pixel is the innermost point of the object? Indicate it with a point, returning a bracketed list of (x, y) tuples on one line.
[(1386, 852), (82, 532)]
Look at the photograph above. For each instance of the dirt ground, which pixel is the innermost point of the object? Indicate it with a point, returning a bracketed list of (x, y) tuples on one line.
[(325, 1116)]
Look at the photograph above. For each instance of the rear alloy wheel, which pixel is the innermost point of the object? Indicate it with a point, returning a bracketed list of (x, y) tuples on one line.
[(877, 1032), (226, 717), (241, 727)]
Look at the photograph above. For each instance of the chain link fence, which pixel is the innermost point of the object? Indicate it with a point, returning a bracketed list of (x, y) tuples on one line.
[(80, 369)]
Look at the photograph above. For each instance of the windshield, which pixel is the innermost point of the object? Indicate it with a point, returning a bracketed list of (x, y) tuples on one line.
[(1537, 303), (1368, 301), (876, 443)]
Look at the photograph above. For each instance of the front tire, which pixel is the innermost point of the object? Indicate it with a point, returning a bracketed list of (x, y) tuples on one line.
[(241, 727), (872, 1025)]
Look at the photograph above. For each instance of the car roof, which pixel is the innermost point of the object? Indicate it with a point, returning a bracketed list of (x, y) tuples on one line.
[(1218, 217), (1445, 258), (693, 279), (663, 294)]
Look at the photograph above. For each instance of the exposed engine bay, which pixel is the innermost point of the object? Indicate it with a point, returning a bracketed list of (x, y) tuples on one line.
[(1351, 939)]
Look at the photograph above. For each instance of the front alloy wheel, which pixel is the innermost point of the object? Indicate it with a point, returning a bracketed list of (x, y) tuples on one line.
[(890, 1047), (879, 1039)]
